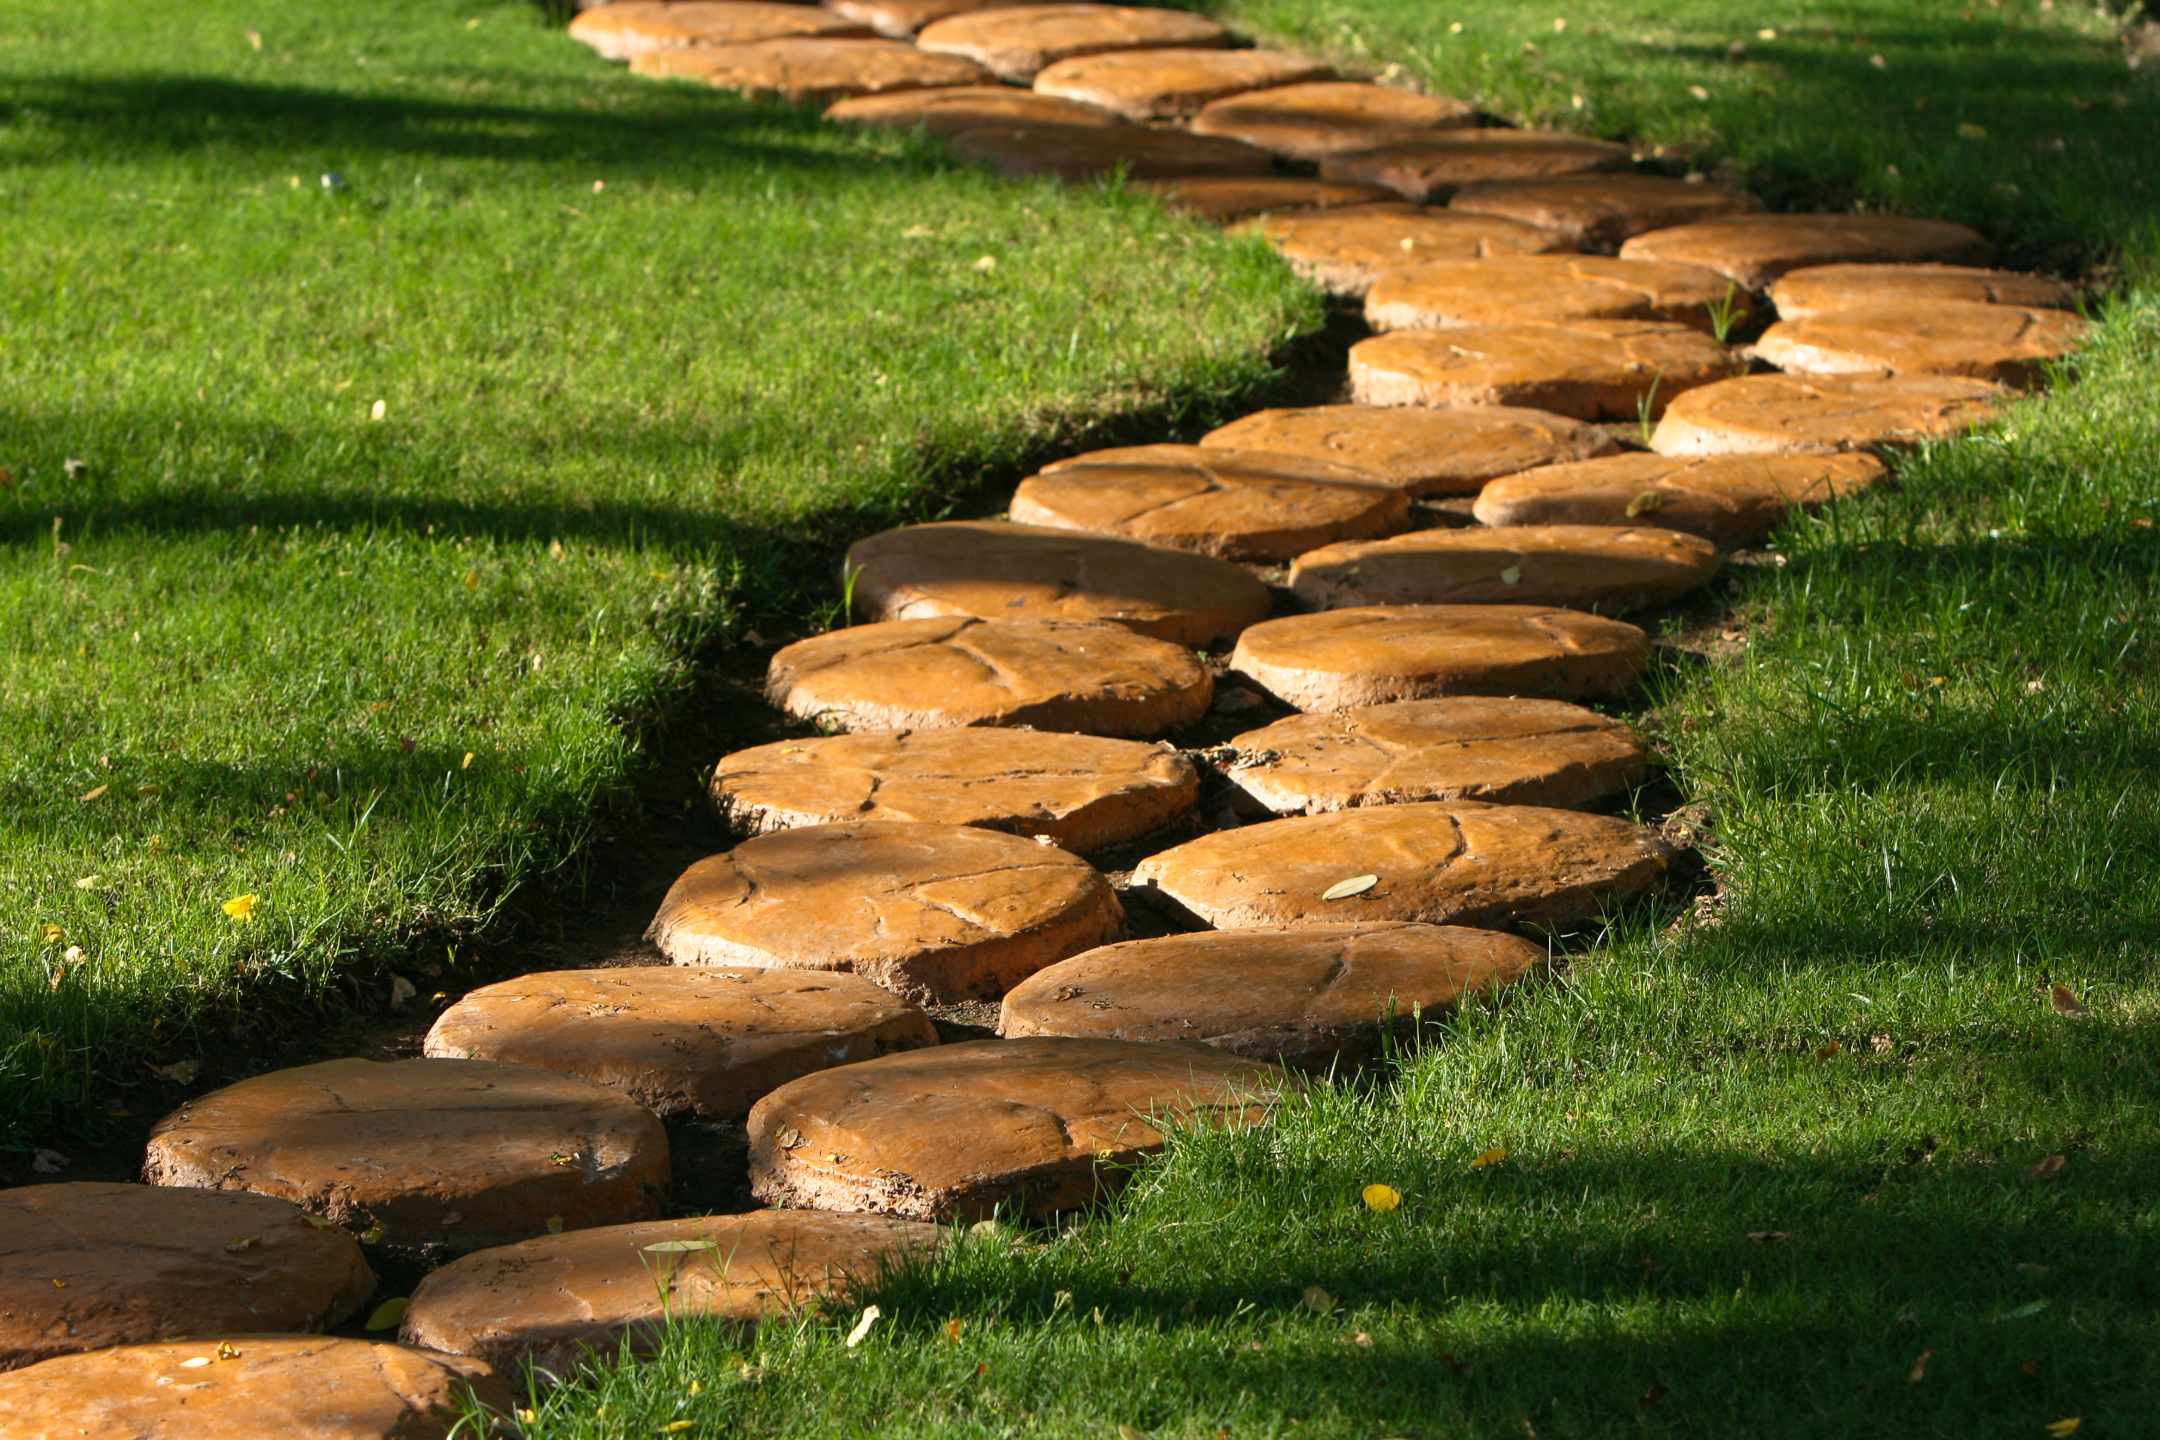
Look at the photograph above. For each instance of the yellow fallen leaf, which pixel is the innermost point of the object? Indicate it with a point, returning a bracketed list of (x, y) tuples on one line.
[(1382, 1197), (676, 1427), (226, 1350), (1969, 131), (96, 792), (1489, 1157), (52, 934), (378, 410), (242, 907), (1355, 885), (387, 1315), (2066, 1426), (466, 763), (472, 579)]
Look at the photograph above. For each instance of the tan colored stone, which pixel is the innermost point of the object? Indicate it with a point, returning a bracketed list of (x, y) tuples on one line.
[(1320, 117), (1756, 249), (1760, 414), (1430, 168), (1022, 1127), (996, 570), (704, 1041), (1344, 250), (1172, 84), (1305, 995), (547, 1302), (2010, 344), (930, 912), (696, 24), (1463, 747), (1381, 653), (1449, 294), (1225, 198), (811, 71), (1729, 499), (1072, 152), (1017, 42), (951, 109), (1804, 294), (1590, 369), (1451, 862), (901, 19), (86, 1266), (1606, 568), (1600, 211), (424, 1156), (611, 29), (1422, 452), (1080, 791)]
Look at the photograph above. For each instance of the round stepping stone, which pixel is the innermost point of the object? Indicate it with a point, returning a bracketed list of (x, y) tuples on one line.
[(1427, 168), (996, 570), (1079, 791), (1306, 995), (1381, 653), (1015, 43), (1585, 567), (611, 30), (930, 912), (944, 674), (252, 1387), (1445, 863), (1422, 452), (1756, 249), (1344, 250), (423, 1156), (952, 109), (1600, 211), (1449, 294), (1590, 369), (1758, 414), (1804, 294), (1021, 1127), (695, 24), (1729, 499), (1224, 198), (2011, 344), (1236, 504), (901, 19), (706, 1041), (547, 1301), (1506, 752), (1070, 152), (1313, 120), (86, 1266), (1172, 84), (811, 70)]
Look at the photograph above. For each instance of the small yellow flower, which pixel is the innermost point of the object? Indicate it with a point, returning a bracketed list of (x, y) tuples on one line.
[(1382, 1197), (242, 907)]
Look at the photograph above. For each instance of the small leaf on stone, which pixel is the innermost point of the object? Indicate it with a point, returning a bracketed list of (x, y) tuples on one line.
[(679, 1247), (319, 1222), (862, 1326), (1489, 1157), (226, 1350), (791, 1139), (387, 1315), (241, 1244), (195, 1362), (1512, 575), (1649, 502), (554, 1225), (1355, 885)]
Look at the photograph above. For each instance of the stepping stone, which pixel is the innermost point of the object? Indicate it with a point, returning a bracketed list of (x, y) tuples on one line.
[(949, 110), (1729, 499), (930, 912), (1016, 43), (612, 30), (1450, 294), (706, 1041), (1464, 747), (1584, 567), (251, 1387), (1600, 211), (87, 1265), (952, 673), (1172, 84), (901, 19), (1804, 294), (996, 570), (1756, 249), (2010, 344), (1343, 251), (1428, 168), (1023, 1128), (695, 24), (546, 1302), (1078, 791), (1077, 153), (810, 71), (1316, 119), (1224, 198), (1759, 414), (1381, 653), (1422, 452), (1236, 504), (1306, 995), (423, 1156), (1451, 862), (1590, 369)]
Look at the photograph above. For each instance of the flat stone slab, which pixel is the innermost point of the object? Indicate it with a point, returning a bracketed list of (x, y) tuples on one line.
[(1226, 198), (1022, 1127), (1015, 43), (1081, 792), (1376, 654), (1804, 294), (695, 24), (811, 70), (707, 1040), (1607, 568), (1430, 168), (88, 1265), (1589, 369), (1235, 504), (251, 1387), (1422, 452), (1600, 211), (1760, 414), (1463, 747), (997, 570), (1728, 499), (1172, 84), (423, 1156), (611, 30), (930, 912), (1508, 289), (951, 109), (1305, 995), (2009, 344), (1344, 250), (901, 19), (1456, 862), (1756, 249), (1072, 152), (546, 1302), (1319, 118)]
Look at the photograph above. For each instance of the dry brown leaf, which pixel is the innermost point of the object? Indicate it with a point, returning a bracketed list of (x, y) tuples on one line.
[(1918, 1372), (2066, 1002), (2046, 1169)]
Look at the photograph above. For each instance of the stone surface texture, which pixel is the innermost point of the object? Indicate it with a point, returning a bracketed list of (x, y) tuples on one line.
[(1344, 250), (1226, 198), (1584, 567), (1015, 43), (951, 109), (810, 70), (1729, 499), (1448, 294), (697, 24), (1763, 414), (1172, 84), (1071, 152), (1429, 168), (1320, 117), (1590, 369), (1598, 212), (1802, 294), (2010, 344), (1756, 249), (902, 19), (1422, 452)]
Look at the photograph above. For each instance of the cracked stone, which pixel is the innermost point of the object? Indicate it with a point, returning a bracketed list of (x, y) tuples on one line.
[(1589, 369), (2010, 344), (1600, 211), (1585, 567), (1756, 249), (1448, 294), (1758, 414), (1223, 199), (696, 24), (1729, 499), (1344, 250), (1429, 168), (1803, 294), (952, 109), (1319, 118), (1421, 452), (1172, 84), (1084, 153), (1015, 43), (810, 70)]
